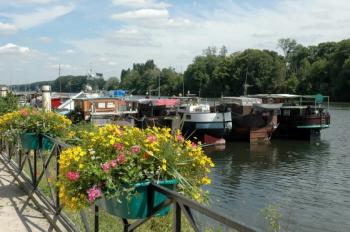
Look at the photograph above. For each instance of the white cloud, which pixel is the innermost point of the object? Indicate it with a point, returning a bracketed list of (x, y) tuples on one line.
[(39, 16), (130, 37), (57, 66), (141, 14), (30, 1), (11, 48), (141, 3), (151, 18), (69, 51), (45, 39), (6, 28)]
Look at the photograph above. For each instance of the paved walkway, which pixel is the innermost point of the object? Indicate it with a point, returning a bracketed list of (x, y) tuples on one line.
[(12, 198)]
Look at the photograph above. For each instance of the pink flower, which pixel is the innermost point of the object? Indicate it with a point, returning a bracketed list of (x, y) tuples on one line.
[(121, 159), (94, 193), (105, 166), (180, 138), (151, 138), (194, 145), (135, 149), (73, 176), (24, 112), (118, 146), (113, 163)]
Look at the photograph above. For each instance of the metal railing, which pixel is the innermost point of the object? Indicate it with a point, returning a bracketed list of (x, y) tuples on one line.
[(35, 167)]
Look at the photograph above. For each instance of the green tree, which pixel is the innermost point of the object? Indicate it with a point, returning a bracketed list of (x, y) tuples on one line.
[(8, 103), (112, 83)]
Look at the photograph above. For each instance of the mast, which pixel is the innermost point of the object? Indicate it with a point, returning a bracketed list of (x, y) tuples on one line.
[(246, 86), (59, 75)]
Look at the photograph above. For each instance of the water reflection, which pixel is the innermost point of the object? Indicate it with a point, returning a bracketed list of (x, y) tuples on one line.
[(293, 174), (308, 180)]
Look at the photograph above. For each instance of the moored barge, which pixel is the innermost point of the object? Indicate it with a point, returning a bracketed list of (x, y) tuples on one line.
[(301, 116), (251, 119)]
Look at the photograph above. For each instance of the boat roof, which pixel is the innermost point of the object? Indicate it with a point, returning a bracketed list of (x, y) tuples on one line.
[(268, 106), (278, 95), (244, 101), (295, 107), (285, 95), (160, 102)]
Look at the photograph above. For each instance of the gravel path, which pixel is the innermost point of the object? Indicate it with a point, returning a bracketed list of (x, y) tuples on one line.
[(12, 198)]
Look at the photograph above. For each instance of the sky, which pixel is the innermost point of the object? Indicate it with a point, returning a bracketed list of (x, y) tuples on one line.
[(106, 36)]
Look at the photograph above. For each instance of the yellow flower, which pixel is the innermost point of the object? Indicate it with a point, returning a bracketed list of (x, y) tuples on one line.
[(164, 166), (206, 180)]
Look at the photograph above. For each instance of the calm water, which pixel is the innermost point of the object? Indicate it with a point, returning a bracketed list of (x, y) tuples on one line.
[(308, 181)]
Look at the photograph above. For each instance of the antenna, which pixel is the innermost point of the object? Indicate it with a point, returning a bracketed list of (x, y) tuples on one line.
[(159, 86), (59, 75), (183, 83), (246, 86)]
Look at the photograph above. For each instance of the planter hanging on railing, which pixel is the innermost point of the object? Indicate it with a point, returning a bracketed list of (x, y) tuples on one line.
[(33, 141), (137, 205), (47, 144), (30, 141)]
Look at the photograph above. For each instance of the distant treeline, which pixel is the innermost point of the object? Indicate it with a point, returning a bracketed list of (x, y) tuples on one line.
[(324, 69)]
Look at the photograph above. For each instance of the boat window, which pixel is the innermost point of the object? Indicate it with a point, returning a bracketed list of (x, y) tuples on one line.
[(110, 105), (286, 112), (188, 116), (265, 114), (101, 105)]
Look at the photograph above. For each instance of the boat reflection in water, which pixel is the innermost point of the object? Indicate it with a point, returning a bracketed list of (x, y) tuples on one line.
[(249, 177)]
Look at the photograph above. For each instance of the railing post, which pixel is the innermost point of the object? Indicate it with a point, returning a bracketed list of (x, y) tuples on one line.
[(177, 218), (35, 168), (57, 153), (97, 221)]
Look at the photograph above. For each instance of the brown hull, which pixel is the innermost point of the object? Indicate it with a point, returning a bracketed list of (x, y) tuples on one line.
[(301, 127), (253, 128)]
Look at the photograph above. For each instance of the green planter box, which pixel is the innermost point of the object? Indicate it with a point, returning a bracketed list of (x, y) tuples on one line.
[(138, 206), (30, 141), (47, 144)]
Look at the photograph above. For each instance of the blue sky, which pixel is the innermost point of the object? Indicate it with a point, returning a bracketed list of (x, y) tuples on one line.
[(110, 35)]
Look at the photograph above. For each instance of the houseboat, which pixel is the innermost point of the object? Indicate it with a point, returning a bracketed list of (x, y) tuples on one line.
[(251, 119), (301, 116), (156, 112), (101, 110), (200, 121)]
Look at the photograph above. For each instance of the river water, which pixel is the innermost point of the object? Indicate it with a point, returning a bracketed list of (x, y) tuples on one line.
[(308, 182)]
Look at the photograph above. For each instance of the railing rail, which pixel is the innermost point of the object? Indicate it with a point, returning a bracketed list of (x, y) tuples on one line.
[(43, 167)]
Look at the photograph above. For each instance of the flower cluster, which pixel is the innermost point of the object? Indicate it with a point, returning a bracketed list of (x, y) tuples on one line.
[(34, 121), (110, 159)]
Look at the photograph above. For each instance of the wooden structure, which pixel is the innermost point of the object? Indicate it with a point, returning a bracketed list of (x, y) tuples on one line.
[(104, 107)]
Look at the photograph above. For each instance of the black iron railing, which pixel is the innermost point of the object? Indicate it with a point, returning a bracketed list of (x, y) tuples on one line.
[(31, 168)]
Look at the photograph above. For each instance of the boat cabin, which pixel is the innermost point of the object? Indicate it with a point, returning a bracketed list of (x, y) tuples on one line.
[(104, 106)]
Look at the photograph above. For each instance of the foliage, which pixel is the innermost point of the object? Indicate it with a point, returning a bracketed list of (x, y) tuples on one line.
[(273, 217), (145, 77), (112, 83), (67, 83), (111, 158), (33, 121), (8, 103)]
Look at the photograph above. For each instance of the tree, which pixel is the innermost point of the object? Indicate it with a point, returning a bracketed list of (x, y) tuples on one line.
[(8, 103), (287, 45), (112, 83)]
